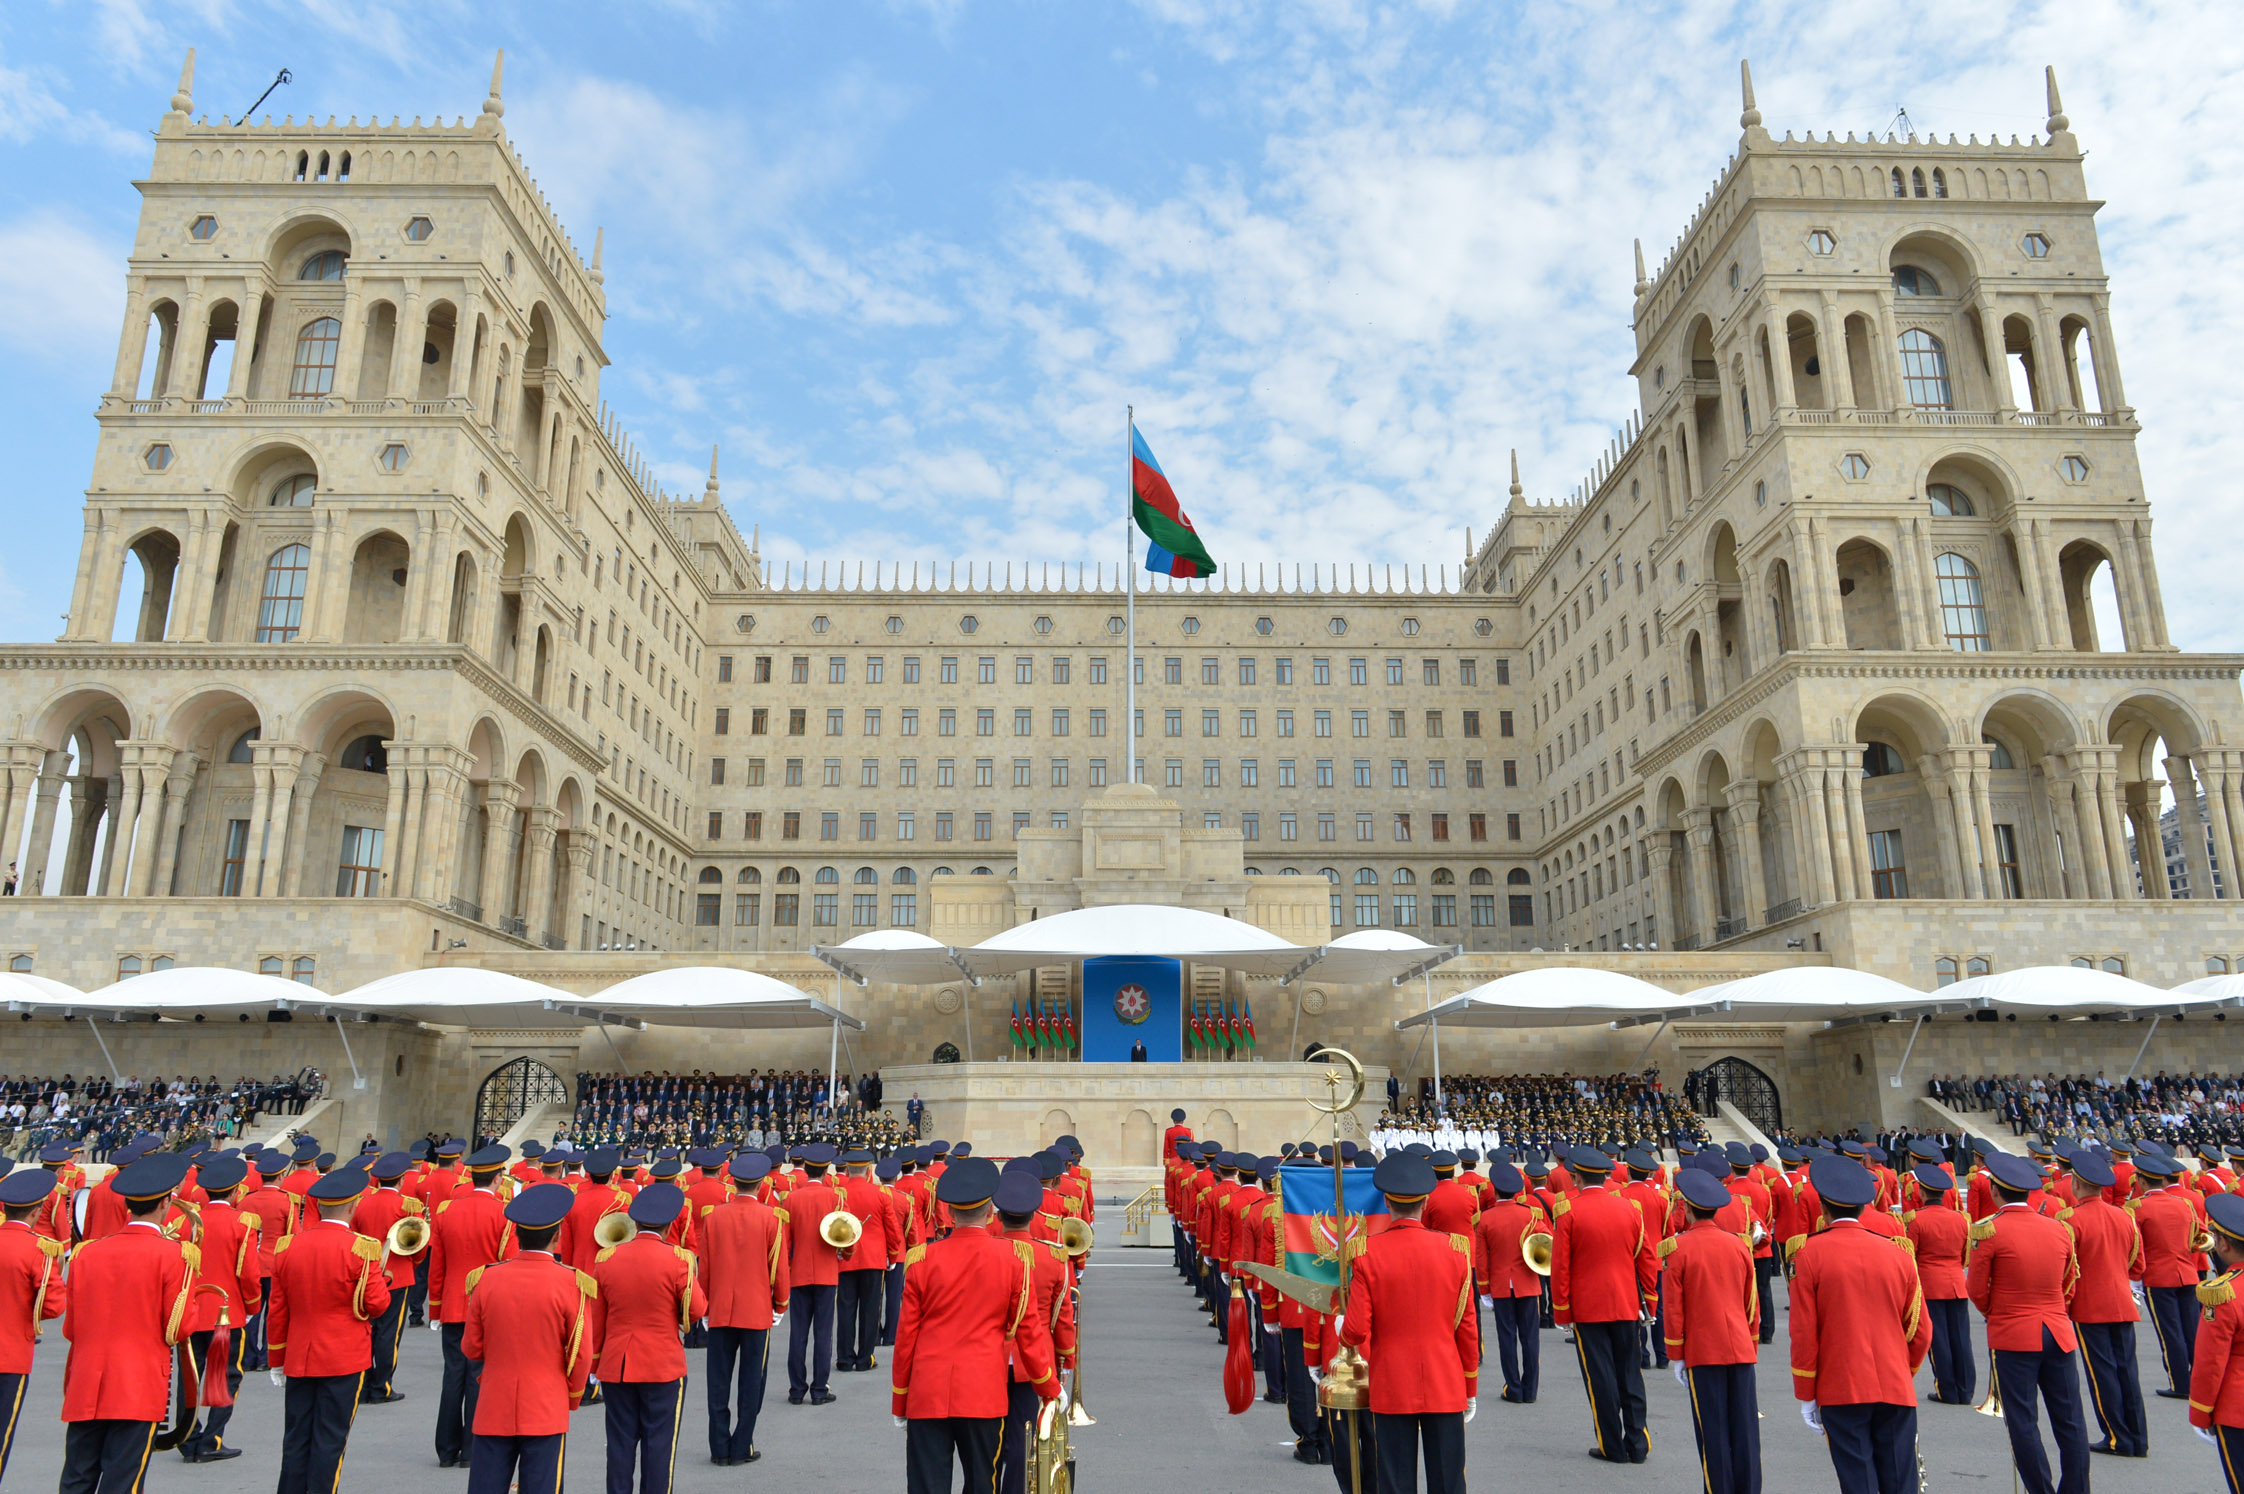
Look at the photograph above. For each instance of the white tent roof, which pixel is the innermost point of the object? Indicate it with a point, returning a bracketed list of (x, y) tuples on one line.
[(23, 991), (1552, 996), (708, 996), (1142, 929), (1809, 993), (1369, 955), (186, 991), (2218, 988), (462, 996), (898, 956), (2061, 990)]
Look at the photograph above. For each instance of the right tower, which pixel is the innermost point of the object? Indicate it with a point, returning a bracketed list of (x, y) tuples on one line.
[(1822, 632)]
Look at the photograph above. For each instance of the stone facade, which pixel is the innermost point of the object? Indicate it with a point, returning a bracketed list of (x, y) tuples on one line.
[(385, 649)]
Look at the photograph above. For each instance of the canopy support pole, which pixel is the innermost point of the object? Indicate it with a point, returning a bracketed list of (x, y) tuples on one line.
[(621, 1066), (1440, 1100), (1410, 1070), (114, 1077), (2139, 1052), (1647, 1053), (1295, 1041), (1895, 1081), (358, 1080), (966, 1015)]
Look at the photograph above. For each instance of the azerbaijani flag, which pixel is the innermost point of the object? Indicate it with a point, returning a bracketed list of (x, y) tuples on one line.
[(1172, 547), (1312, 1225), (1019, 1039), (1246, 1023)]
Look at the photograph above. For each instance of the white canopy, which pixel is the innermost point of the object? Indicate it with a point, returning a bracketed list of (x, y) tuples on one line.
[(461, 996), (897, 956), (2064, 991), (2215, 988), (1369, 955), (1142, 929), (1552, 996), (186, 991), (1809, 993), (24, 992), (707, 996)]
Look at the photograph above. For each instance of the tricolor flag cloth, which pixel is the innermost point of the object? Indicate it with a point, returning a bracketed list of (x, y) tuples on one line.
[(1315, 1229), (1172, 547)]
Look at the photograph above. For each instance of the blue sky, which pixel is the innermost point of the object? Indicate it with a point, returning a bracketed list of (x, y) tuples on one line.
[(908, 261)]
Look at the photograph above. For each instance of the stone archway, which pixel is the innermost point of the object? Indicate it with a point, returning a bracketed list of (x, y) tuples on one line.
[(1744, 1085), (511, 1091)]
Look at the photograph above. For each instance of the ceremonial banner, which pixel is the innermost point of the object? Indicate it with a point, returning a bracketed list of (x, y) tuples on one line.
[(1314, 1231), (1128, 1000)]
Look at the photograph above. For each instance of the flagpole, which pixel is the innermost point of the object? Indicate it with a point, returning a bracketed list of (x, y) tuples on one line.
[(1130, 608)]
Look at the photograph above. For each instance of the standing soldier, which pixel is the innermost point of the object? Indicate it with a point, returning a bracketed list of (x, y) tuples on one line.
[(1410, 1312), (128, 1308), (1941, 1235), (2216, 1389), (744, 1265), (1512, 1290), (1713, 1322), (1644, 1189), (1016, 1200), (470, 1231), (529, 1327), (814, 1273), (967, 1300), (1603, 1280), (2023, 1274), (1744, 1185), (1859, 1334), (2111, 1254), (862, 1288), (271, 1212), (2168, 1216), (889, 1173), (32, 1290), (328, 1288), (648, 1295), (381, 1208), (228, 1287)]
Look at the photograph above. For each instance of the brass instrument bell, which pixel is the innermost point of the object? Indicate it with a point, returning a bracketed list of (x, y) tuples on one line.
[(409, 1236), (841, 1229), (613, 1230), (1076, 1235), (1535, 1252)]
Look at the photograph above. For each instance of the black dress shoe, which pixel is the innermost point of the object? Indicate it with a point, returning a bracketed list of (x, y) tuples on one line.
[(382, 1400), (794, 1400), (2172, 1395), (219, 1455), (2102, 1447), (1303, 1454), (1506, 1395), (753, 1454), (1593, 1452), (1275, 1399), (824, 1398)]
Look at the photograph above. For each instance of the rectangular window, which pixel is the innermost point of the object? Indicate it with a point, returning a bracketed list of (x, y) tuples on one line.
[(1398, 773), (1402, 827), (791, 825), (1503, 723), (874, 670), (1336, 910), (1395, 723), (1363, 772), (1476, 826), (1172, 773), (864, 909), (1522, 910), (946, 722), (1320, 671), (1437, 774), (825, 910), (1484, 910), (1289, 826), (1020, 822), (798, 670), (752, 825), (1098, 772), (1359, 723), (2006, 861), (942, 824), (1440, 824), (837, 671), (1246, 724), (1359, 672), (1172, 723), (1098, 671), (708, 908), (1024, 671), (1367, 910), (784, 906), (1250, 826), (829, 824), (798, 722), (1021, 771), (872, 723), (1059, 723), (1023, 722), (1406, 910), (1511, 827), (868, 825), (1363, 827), (1472, 723), (905, 825), (724, 669), (1211, 773), (1211, 672), (1059, 671), (946, 773), (903, 909), (1246, 671), (911, 669), (1250, 773), (1211, 723), (985, 723), (948, 671), (1285, 723), (1326, 829), (717, 771), (985, 772), (1059, 772), (868, 773), (1321, 724), (1511, 772), (834, 722), (280, 611), (763, 669), (747, 909), (830, 773), (1889, 874), (716, 824), (759, 721), (985, 670), (1433, 723), (1473, 777), (1285, 671), (724, 721), (1098, 723), (981, 824), (1172, 671), (1324, 772), (1503, 672), (908, 721), (358, 871), (1444, 905)]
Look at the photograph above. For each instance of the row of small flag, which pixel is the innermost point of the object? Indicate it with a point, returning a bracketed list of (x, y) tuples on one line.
[(1219, 1027), (1045, 1027)]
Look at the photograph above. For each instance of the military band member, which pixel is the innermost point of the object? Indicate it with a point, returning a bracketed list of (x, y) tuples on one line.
[(649, 1293), (2216, 1390), (1410, 1312), (861, 1288), (529, 1327), (1941, 1236), (2110, 1248), (128, 1307), (1643, 1187), (814, 1274), (889, 1173), (967, 1319), (2022, 1277), (273, 1213), (470, 1230), (2168, 1216), (1712, 1314), (1018, 1194), (382, 1207), (32, 1290), (1510, 1289), (744, 1269), (228, 1290), (328, 1289), (1603, 1283), (1859, 1334)]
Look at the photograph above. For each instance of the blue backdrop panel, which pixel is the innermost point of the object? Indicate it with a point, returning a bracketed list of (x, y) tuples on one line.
[(1126, 1000)]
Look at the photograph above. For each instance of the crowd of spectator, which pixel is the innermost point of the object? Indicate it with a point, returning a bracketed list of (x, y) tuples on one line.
[(1542, 1111), (704, 1109), (2179, 1109), (98, 1112)]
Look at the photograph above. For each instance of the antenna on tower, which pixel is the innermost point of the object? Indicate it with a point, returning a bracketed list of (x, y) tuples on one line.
[(1901, 124), (283, 76)]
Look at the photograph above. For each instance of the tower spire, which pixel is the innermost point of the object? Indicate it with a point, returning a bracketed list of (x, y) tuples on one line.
[(2058, 123), (1751, 117), (599, 241), (183, 101), (1643, 281), (1516, 489), (492, 104), (709, 491)]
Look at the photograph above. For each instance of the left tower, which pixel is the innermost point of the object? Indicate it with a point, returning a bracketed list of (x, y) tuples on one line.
[(338, 614)]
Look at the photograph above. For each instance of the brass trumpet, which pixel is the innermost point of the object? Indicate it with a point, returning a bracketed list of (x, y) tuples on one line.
[(841, 1229), (613, 1230), (1535, 1251)]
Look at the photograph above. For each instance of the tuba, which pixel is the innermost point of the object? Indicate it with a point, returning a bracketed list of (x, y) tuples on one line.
[(1053, 1461), (408, 1237), (1535, 1250), (841, 1229), (614, 1230), (1076, 1236)]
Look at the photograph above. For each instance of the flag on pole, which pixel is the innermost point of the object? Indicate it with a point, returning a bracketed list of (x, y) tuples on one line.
[(1020, 1039), (1320, 1222), (1246, 1022), (1173, 547)]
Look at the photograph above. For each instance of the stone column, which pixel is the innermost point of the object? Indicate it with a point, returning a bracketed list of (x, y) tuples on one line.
[(187, 346), (436, 581), (579, 893), (2229, 778), (245, 341), (1811, 839), (1940, 789), (1983, 816), (132, 349), (1912, 574), (327, 590), (97, 884), (448, 770), (412, 826), (177, 785), (463, 347), (2150, 843), (1706, 890), (2127, 586), (1780, 360), (1745, 824), (542, 825), (101, 569), (405, 351), (2115, 828), (40, 849), (15, 806), (418, 580), (393, 821), (1849, 785), (89, 798), (499, 796), (2214, 779), (1887, 362), (1998, 372), (278, 762), (299, 845), (2146, 565), (353, 348), (2049, 356), (1837, 375), (1660, 855), (2108, 386), (2190, 819), (155, 770), (115, 867), (2023, 541), (2061, 850)]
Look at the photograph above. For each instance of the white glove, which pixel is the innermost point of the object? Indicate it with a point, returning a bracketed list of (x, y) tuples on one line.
[(1812, 1414), (435, 1326), (1316, 1375), (1062, 1400), (1678, 1370), (1487, 1301), (1472, 1407), (278, 1377), (2208, 1436), (1339, 1319), (901, 1423)]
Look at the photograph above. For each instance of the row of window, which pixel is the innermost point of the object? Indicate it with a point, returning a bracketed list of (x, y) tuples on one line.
[(904, 876), (1325, 773), (945, 824), (1061, 723), (1061, 670), (1188, 625)]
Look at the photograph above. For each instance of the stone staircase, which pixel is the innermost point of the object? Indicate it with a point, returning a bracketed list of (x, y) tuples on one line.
[(277, 1127), (1979, 1123)]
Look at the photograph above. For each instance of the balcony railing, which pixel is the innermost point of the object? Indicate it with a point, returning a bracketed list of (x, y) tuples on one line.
[(1916, 416), (1791, 907), (1728, 928), (518, 927), (312, 405)]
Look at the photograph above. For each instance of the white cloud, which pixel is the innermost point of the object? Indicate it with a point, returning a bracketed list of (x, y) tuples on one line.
[(61, 293)]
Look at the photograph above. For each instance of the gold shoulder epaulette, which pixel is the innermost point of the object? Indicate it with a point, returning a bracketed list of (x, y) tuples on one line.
[(1666, 1247), (1984, 1229), (1559, 1206), (2063, 1214), (440, 1208), (1059, 1251), (2219, 1291), (51, 1247), (684, 1254), (913, 1256), (193, 1254), (1907, 1244), (1462, 1243), (475, 1276), (707, 1210), (586, 1284), (250, 1221), (283, 1243), (366, 1249), (1025, 1251), (415, 1206), (782, 1213), (605, 1252)]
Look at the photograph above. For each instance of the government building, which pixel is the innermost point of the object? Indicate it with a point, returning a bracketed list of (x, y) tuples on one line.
[(386, 650)]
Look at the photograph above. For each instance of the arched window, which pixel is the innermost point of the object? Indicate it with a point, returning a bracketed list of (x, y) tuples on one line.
[(128, 967), (1949, 502), (1908, 280), (1917, 179), (1939, 183), (828, 877), (366, 754), (866, 877), (1444, 877), (244, 748), (316, 347), (1944, 971), (788, 876), (749, 876), (711, 874), (1366, 877), (1517, 877), (1881, 761), (1963, 607), (1404, 877), (1330, 875), (280, 607), (2114, 965), (1924, 370), (325, 265), (904, 876), (302, 969), (1900, 188), (2000, 757), (2214, 965), (1977, 965), (293, 492)]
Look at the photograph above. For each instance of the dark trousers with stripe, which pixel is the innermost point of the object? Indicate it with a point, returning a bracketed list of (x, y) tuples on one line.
[(1873, 1447), (210, 1433), (1344, 1429), (11, 1407), (2029, 1377), (1439, 1434), (1615, 1381), (455, 1401), (1273, 1358), (892, 1304), (933, 1443), (1652, 1336), (416, 1295), (1301, 1395), (2115, 1389), (1519, 1344), (531, 1464), (1726, 1418), (253, 1331), (857, 1307), (643, 1417), (811, 1316), (732, 1424), (2174, 1314), (389, 1330), (1764, 1276), (2231, 1441), (318, 1409), (1955, 1370), (1021, 1408), (105, 1457)]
